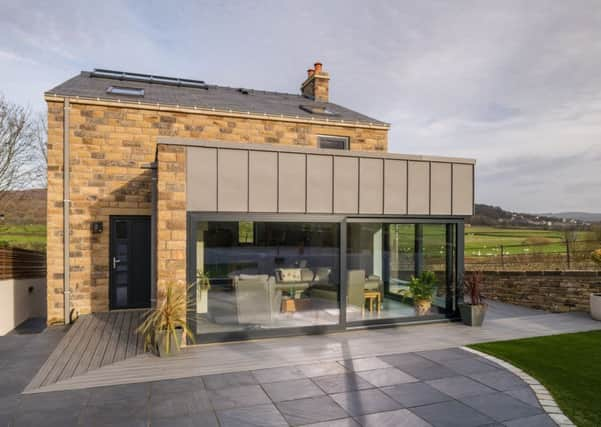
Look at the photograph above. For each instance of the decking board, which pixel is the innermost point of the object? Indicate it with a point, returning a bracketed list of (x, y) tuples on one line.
[(93, 341)]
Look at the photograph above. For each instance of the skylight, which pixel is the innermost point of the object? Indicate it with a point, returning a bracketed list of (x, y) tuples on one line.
[(123, 90), (318, 109)]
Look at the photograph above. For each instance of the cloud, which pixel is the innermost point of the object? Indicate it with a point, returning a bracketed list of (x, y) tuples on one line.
[(517, 85)]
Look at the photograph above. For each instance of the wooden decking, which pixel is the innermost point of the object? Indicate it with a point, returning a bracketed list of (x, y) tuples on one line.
[(94, 340)]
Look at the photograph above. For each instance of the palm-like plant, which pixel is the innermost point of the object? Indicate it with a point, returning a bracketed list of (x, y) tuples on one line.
[(165, 320), (473, 286), (422, 287)]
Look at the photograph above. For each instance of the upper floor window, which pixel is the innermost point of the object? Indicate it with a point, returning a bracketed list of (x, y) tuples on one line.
[(333, 142)]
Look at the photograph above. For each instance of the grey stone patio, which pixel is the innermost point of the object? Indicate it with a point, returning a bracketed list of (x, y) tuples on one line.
[(449, 387), (409, 376)]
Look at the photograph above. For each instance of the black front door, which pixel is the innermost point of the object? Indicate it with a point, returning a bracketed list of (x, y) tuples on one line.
[(129, 262)]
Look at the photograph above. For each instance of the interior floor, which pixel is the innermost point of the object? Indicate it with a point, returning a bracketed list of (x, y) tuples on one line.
[(222, 314)]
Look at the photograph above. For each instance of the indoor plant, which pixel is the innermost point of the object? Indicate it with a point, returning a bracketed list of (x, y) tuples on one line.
[(164, 327), (473, 312), (421, 290), (203, 285), (595, 299)]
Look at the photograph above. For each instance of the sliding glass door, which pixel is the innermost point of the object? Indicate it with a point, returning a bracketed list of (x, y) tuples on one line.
[(385, 260), (253, 276), (256, 276)]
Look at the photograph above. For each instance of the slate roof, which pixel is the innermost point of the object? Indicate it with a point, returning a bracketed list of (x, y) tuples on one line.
[(87, 85)]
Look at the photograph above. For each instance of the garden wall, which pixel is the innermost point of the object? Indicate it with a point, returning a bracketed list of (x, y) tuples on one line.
[(556, 291), (21, 299)]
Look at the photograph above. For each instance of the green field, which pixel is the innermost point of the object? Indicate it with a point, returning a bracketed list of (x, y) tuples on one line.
[(23, 236), (479, 241), (487, 241)]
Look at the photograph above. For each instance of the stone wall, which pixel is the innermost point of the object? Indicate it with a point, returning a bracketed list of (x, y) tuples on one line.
[(556, 291), (23, 207), (111, 147), (171, 217)]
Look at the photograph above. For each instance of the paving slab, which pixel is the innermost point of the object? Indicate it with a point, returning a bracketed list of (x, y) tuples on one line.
[(398, 418), (500, 406), (363, 402), (415, 394), (451, 414), (311, 410), (293, 389)]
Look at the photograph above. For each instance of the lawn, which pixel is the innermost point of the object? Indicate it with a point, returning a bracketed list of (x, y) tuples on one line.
[(23, 236), (568, 365)]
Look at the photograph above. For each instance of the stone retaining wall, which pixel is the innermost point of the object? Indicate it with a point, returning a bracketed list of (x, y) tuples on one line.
[(556, 291)]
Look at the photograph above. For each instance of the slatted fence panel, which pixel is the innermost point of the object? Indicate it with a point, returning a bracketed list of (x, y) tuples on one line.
[(18, 263)]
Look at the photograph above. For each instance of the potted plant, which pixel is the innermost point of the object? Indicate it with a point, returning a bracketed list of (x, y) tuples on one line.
[(421, 290), (164, 327), (473, 313), (203, 285), (595, 299)]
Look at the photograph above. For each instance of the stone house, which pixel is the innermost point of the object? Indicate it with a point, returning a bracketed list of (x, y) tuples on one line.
[(289, 204)]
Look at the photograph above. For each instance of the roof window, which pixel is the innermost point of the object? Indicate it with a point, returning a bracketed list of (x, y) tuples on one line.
[(123, 90), (318, 109)]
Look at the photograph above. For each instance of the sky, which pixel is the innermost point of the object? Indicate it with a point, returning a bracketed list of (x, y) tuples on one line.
[(515, 85)]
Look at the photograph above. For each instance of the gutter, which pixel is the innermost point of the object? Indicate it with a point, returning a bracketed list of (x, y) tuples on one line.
[(110, 102), (66, 214)]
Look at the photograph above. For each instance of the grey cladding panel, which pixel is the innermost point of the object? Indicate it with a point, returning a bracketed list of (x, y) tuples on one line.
[(319, 184), (263, 181), (395, 187), (346, 184), (259, 180), (371, 188), (201, 172), (463, 189), (232, 180), (440, 188), (419, 188), (291, 182)]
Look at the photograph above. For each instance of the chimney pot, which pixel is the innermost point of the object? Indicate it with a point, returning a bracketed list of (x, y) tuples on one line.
[(310, 72), (318, 67)]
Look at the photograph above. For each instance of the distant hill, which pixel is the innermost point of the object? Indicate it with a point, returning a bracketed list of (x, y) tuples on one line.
[(582, 216), (496, 216)]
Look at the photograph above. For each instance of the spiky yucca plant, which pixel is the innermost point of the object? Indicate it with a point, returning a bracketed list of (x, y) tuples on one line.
[(167, 318)]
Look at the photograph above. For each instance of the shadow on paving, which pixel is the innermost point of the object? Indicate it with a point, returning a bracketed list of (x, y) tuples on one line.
[(448, 387)]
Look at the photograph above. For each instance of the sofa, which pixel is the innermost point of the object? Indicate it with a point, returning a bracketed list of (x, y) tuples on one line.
[(293, 280)]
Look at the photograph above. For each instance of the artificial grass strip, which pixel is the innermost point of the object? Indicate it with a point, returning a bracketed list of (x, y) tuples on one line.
[(568, 365)]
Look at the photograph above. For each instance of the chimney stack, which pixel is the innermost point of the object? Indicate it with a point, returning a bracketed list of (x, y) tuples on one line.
[(316, 86)]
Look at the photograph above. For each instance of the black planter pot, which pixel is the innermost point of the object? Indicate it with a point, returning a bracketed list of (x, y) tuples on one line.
[(473, 315)]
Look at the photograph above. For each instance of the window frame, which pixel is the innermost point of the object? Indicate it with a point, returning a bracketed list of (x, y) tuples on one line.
[(346, 139)]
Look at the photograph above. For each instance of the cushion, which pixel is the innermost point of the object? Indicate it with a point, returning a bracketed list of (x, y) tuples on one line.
[(289, 274), (307, 274)]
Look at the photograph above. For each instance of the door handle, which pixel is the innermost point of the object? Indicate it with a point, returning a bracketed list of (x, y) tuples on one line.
[(115, 262)]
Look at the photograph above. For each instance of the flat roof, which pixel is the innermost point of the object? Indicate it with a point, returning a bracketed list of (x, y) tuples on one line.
[(188, 142)]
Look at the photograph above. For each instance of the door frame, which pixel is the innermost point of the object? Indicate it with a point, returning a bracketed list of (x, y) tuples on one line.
[(113, 218)]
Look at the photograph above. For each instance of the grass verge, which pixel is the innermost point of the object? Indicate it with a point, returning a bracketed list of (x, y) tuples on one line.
[(568, 365)]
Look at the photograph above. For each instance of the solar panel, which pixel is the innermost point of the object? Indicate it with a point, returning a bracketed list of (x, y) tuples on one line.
[(147, 78)]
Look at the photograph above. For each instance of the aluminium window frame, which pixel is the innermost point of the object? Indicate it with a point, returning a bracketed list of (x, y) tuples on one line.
[(456, 223)]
